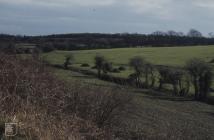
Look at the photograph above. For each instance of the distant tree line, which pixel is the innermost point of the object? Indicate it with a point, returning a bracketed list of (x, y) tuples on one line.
[(104, 41)]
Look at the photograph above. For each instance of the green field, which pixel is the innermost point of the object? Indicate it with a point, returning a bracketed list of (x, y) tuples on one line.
[(175, 56), (70, 77), (172, 56)]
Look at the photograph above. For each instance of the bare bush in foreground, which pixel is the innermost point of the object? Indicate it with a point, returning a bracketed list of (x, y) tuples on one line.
[(47, 109)]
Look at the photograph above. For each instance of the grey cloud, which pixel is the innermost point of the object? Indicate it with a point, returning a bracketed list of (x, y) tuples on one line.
[(63, 16)]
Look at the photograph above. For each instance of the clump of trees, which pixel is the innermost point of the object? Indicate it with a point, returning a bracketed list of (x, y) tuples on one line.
[(68, 60), (194, 33), (102, 65), (177, 78), (137, 63), (142, 69), (201, 77), (107, 67), (196, 72), (99, 62)]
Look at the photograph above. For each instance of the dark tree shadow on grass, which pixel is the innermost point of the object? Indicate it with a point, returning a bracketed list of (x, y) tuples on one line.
[(162, 95), (83, 76)]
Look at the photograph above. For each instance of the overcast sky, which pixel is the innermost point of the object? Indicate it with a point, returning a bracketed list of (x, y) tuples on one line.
[(39, 17)]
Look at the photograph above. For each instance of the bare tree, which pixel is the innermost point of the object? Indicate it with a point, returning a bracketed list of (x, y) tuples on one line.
[(172, 33), (181, 34), (177, 78), (211, 35), (137, 63), (149, 73), (68, 59), (159, 33), (99, 62), (194, 33), (107, 67), (201, 74)]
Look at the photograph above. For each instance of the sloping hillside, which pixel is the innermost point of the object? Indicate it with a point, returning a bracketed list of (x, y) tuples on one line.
[(154, 115)]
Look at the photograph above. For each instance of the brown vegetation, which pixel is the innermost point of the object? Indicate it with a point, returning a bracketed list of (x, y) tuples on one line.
[(46, 109)]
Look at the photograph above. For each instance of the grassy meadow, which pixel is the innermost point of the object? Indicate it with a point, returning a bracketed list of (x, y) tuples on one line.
[(171, 56), (71, 77)]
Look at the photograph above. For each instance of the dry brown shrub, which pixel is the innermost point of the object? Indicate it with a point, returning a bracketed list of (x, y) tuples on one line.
[(46, 109)]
